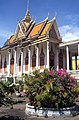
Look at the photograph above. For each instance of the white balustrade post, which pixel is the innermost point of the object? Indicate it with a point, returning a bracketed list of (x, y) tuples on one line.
[(15, 62), (14, 65), (67, 53), (37, 55), (57, 59), (47, 54), (9, 52), (29, 55), (21, 60), (78, 49)]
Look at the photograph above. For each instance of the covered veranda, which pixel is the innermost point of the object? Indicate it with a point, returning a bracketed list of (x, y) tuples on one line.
[(70, 55)]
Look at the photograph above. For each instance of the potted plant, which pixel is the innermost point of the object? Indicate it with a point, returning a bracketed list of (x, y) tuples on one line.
[(51, 89)]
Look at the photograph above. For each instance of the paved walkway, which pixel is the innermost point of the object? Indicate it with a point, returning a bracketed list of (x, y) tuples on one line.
[(19, 110)]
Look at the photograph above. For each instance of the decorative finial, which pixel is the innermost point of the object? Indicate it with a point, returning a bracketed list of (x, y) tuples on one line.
[(46, 18), (48, 14), (55, 14), (27, 16), (28, 4)]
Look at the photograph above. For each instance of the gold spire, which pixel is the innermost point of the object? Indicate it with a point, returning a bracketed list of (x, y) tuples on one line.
[(27, 16)]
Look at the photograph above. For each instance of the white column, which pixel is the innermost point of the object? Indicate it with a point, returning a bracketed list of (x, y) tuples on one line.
[(15, 62), (37, 56), (47, 54), (64, 59), (21, 60), (2, 64), (0, 57), (76, 62), (78, 49), (0, 61), (29, 55), (14, 65), (67, 53), (9, 62), (57, 59)]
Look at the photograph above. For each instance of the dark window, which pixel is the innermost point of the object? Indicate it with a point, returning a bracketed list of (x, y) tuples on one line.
[(12, 60), (20, 60), (26, 59), (34, 59), (42, 58), (5, 63)]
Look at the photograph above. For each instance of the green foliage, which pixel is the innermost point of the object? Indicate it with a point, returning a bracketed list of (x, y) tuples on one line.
[(51, 88), (6, 90)]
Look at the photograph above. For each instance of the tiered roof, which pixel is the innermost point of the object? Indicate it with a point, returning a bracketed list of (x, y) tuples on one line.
[(28, 30)]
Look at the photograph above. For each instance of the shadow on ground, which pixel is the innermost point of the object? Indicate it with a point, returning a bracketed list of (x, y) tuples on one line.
[(7, 117)]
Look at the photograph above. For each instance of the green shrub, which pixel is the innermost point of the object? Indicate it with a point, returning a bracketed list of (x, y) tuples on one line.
[(51, 89), (6, 90)]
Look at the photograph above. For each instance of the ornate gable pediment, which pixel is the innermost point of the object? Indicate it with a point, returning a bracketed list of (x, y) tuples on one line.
[(53, 31), (19, 31)]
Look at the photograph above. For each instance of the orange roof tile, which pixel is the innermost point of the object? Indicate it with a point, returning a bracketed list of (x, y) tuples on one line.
[(46, 28), (36, 29), (11, 39)]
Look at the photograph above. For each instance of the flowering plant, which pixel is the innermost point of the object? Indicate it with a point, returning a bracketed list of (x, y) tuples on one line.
[(51, 89)]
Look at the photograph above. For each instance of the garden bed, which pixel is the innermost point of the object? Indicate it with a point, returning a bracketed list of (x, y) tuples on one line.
[(51, 112)]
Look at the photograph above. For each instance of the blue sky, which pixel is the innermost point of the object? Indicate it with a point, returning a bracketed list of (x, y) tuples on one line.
[(66, 11)]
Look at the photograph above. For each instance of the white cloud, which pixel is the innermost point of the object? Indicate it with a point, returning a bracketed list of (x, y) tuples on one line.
[(69, 32)]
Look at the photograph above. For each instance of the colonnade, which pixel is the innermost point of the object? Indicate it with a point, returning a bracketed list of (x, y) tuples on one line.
[(21, 50), (68, 51)]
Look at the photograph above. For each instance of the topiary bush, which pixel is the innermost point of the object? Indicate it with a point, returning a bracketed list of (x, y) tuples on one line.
[(53, 88)]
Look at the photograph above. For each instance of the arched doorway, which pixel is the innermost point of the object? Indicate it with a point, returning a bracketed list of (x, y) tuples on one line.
[(42, 58), (1, 65), (34, 60), (26, 62), (12, 65), (51, 58), (20, 63), (5, 65)]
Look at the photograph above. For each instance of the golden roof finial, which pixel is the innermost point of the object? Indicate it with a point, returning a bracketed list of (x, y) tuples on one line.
[(48, 14), (27, 4), (27, 16), (55, 14)]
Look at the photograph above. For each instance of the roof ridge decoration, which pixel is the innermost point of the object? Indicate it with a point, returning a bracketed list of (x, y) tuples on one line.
[(22, 27), (30, 28), (53, 22), (43, 26), (56, 29), (42, 21), (8, 40)]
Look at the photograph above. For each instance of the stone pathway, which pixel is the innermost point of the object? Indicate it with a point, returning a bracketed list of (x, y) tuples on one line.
[(19, 111)]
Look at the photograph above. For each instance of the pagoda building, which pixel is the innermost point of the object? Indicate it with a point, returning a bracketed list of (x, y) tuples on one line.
[(33, 46)]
